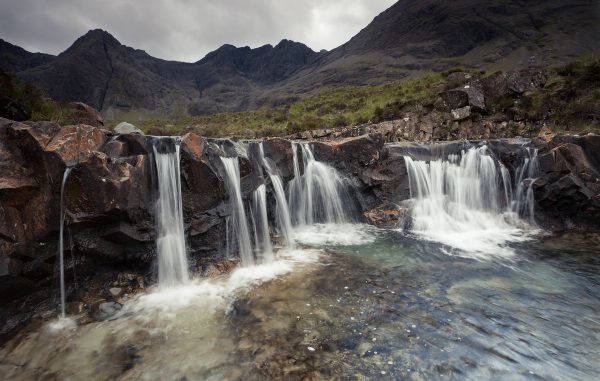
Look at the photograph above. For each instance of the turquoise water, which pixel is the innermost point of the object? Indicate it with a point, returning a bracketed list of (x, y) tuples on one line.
[(359, 304)]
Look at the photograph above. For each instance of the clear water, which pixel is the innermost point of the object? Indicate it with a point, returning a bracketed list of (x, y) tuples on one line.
[(361, 304)]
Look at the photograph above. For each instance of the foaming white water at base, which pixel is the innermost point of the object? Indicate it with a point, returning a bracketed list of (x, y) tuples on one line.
[(215, 292), (458, 202), (335, 234), (61, 324)]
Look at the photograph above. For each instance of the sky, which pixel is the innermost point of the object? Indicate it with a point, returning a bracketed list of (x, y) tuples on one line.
[(185, 30)]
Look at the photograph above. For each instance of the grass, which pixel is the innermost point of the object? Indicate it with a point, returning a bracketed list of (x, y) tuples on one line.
[(30, 99), (329, 109)]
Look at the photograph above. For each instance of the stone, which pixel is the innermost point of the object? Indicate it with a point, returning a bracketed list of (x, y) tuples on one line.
[(279, 151), (454, 99), (103, 310), (461, 113), (127, 128), (115, 291), (84, 114)]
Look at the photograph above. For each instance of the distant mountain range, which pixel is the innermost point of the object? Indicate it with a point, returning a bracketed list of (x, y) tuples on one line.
[(409, 38)]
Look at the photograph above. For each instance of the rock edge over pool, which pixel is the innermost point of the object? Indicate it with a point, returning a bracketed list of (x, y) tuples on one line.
[(110, 199)]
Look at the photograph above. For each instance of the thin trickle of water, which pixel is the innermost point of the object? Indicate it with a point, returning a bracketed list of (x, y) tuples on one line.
[(524, 202), (170, 241), (464, 202), (239, 220), (61, 244), (262, 233), (315, 195)]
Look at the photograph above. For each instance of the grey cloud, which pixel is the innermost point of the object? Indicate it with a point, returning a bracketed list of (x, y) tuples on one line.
[(185, 30)]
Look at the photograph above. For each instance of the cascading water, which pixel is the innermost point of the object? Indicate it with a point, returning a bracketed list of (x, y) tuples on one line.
[(524, 203), (458, 202), (170, 241), (239, 220), (315, 195), (262, 236), (282, 211), (61, 245)]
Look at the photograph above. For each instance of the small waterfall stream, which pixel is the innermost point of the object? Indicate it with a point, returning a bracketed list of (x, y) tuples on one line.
[(61, 243), (315, 195), (282, 210), (262, 232), (240, 222), (466, 201), (170, 241)]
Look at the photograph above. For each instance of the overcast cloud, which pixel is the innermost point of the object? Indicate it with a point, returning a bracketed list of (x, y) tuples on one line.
[(185, 30)]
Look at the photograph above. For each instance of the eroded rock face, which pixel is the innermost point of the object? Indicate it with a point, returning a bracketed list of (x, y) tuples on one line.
[(569, 185)]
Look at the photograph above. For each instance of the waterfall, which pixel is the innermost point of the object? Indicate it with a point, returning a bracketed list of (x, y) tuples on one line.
[(282, 210), (170, 238), (262, 236), (524, 203), (315, 195), (61, 245), (240, 223), (466, 201)]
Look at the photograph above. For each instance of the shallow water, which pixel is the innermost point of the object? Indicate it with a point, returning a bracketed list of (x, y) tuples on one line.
[(364, 304)]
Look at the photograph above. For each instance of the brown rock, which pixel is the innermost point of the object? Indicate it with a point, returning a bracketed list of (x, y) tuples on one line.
[(85, 114)]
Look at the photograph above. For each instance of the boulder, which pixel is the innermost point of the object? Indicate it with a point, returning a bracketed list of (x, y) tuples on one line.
[(107, 188), (279, 151), (510, 83), (461, 113), (127, 128), (84, 114)]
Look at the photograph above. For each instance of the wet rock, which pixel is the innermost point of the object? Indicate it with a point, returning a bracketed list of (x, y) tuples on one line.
[(103, 310), (279, 151), (115, 292), (75, 308), (103, 187)]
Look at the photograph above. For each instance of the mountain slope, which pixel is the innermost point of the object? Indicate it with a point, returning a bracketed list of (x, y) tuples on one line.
[(14, 58), (416, 36), (409, 38)]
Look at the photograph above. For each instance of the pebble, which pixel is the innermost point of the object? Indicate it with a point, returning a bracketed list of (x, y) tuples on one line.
[(311, 349), (390, 363), (383, 372)]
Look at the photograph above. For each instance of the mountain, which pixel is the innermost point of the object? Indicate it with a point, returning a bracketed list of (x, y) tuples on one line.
[(409, 38), (412, 37), (14, 58)]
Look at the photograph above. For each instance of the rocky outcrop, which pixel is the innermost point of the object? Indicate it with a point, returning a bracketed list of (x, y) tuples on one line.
[(569, 186), (110, 196)]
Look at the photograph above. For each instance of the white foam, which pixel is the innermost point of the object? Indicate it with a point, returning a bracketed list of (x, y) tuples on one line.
[(61, 324), (217, 291), (335, 234)]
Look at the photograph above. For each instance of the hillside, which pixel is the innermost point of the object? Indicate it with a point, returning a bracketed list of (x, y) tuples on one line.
[(406, 40)]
